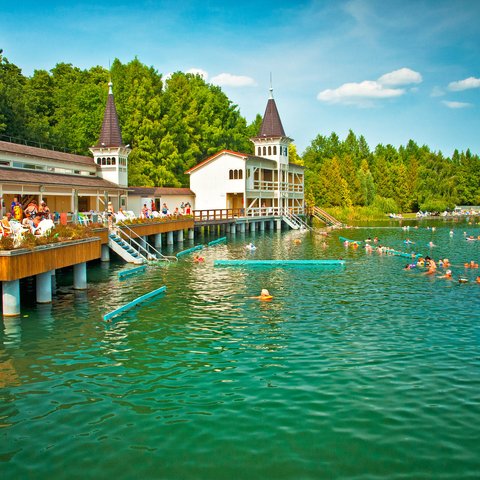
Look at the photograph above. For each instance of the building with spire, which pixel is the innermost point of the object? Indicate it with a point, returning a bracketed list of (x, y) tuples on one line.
[(110, 153), (68, 182), (263, 183)]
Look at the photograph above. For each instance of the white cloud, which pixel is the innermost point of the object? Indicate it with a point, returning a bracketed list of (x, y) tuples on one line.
[(198, 71), (437, 92), (403, 76), (364, 93), (470, 82), (229, 80), (456, 104)]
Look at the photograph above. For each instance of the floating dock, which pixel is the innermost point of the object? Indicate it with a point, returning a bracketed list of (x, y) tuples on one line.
[(134, 303), (218, 240), (189, 250), (131, 271), (278, 263)]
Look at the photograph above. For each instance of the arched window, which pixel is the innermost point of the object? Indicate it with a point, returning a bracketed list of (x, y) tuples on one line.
[(114, 162), (264, 150), (99, 161), (259, 151), (269, 150), (104, 161), (230, 174), (274, 149), (240, 174)]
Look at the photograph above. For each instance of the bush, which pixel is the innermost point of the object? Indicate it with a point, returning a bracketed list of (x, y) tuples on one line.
[(385, 205), (6, 243), (435, 205)]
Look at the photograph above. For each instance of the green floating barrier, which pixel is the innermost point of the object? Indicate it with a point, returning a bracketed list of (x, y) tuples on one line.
[(189, 250), (344, 239), (132, 271), (278, 263), (218, 240), (133, 303)]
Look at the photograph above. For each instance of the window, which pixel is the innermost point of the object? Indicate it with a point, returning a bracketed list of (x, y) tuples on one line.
[(113, 161), (259, 151), (230, 174), (264, 150), (240, 174), (269, 150), (274, 149), (99, 161)]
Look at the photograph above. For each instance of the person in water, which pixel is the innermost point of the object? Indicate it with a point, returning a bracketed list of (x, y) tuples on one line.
[(198, 259), (264, 295)]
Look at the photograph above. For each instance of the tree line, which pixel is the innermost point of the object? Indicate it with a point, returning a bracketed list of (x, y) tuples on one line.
[(174, 123)]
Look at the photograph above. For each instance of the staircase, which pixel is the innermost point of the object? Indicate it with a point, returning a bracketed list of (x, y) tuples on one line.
[(326, 218), (122, 248), (294, 221), (125, 242)]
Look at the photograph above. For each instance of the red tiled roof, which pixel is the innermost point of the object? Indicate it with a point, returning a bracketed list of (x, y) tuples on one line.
[(111, 135), (209, 159), (45, 154), (17, 175)]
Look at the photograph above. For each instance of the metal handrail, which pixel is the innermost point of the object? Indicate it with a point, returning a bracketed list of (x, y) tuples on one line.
[(162, 256)]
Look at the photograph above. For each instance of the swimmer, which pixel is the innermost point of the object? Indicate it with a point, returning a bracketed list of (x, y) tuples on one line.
[(198, 259), (431, 244), (448, 274), (250, 246), (297, 241), (463, 280), (451, 233), (477, 279), (264, 295)]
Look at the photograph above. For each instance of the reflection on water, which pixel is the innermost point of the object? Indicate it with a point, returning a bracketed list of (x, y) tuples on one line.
[(367, 371)]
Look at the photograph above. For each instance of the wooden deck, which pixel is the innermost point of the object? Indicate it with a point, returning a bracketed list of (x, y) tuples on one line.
[(16, 264)]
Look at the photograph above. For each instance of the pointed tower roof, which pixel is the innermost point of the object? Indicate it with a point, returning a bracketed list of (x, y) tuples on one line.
[(111, 135), (271, 124)]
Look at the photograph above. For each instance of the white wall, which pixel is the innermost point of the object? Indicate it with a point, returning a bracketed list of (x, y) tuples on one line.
[(174, 201), (211, 182)]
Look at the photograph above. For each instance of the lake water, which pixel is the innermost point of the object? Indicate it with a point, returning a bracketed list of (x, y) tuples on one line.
[(362, 372)]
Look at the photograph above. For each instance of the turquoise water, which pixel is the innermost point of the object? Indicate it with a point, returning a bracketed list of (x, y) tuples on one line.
[(362, 372)]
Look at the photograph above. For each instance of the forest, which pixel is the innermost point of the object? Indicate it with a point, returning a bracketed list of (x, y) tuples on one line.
[(174, 123)]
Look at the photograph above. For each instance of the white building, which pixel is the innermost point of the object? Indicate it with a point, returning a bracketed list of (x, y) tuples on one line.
[(259, 184)]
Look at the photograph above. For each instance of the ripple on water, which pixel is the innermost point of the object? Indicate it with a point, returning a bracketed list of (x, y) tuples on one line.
[(360, 372)]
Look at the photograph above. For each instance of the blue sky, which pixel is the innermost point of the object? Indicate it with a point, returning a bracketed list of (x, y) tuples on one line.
[(389, 70)]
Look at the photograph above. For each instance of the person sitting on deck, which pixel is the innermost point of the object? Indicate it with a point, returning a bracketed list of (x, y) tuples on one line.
[(5, 225), (44, 210), (31, 210)]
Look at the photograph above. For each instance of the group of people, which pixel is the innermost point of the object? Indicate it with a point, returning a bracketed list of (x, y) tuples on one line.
[(29, 217), (432, 268), (152, 212)]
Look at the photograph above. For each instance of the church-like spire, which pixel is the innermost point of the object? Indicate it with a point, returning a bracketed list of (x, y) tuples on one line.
[(271, 125), (111, 135)]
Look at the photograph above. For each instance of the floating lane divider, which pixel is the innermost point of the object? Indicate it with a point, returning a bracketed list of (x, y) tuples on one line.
[(134, 303), (277, 263), (131, 271), (343, 239), (218, 240), (189, 250)]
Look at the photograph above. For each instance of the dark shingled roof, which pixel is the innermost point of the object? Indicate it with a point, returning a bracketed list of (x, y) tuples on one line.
[(160, 191), (14, 175), (111, 135), (28, 151), (271, 125)]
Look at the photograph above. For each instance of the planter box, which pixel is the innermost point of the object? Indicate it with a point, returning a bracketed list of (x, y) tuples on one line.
[(153, 228), (21, 263)]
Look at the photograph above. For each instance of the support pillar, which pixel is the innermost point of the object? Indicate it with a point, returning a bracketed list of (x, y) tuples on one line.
[(232, 229), (169, 238), (279, 224), (262, 226), (158, 241), (11, 298), (271, 225), (242, 228), (105, 253), (44, 287), (80, 276), (191, 234), (180, 236)]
